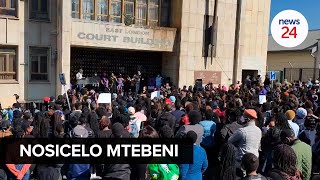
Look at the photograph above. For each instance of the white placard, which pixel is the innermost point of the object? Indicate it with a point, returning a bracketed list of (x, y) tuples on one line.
[(104, 98), (155, 94), (262, 99)]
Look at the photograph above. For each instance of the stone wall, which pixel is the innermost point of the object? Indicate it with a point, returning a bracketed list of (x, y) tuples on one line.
[(22, 33)]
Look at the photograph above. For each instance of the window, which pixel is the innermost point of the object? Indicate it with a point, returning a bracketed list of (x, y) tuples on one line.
[(8, 7), (153, 15), (115, 14), (140, 12), (129, 12), (142, 8), (102, 14), (165, 13), (8, 68), (39, 64), (39, 9), (75, 9), (129, 7), (88, 9)]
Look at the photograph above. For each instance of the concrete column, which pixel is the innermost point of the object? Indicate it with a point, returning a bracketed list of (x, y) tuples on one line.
[(171, 60), (23, 70), (63, 43), (242, 37)]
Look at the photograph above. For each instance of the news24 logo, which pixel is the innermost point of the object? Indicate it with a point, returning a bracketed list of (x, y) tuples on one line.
[(289, 28)]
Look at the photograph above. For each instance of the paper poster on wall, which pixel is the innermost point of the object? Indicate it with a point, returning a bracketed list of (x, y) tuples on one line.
[(7, 102), (104, 98), (155, 94), (262, 99)]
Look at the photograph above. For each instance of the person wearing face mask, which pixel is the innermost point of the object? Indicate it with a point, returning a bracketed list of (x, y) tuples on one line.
[(302, 151)]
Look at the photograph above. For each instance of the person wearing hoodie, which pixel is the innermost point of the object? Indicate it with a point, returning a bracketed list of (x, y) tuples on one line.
[(195, 117), (79, 171), (209, 127), (166, 118), (301, 114), (290, 116), (49, 171), (195, 170), (117, 171), (302, 151), (178, 114), (134, 123), (118, 131), (308, 135)]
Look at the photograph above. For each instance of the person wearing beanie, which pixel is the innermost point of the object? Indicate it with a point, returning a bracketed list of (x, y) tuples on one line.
[(172, 99), (194, 117), (290, 116), (248, 138), (118, 131), (300, 118)]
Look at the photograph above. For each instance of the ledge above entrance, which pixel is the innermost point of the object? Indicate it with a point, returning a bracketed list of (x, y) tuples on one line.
[(96, 34)]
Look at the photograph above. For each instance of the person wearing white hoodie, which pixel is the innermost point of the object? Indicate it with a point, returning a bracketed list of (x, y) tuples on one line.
[(134, 123)]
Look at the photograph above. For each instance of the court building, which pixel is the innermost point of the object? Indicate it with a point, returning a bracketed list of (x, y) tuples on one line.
[(218, 41)]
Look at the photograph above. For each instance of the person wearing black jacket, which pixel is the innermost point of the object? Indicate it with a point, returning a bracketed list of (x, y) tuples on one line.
[(49, 171), (166, 119), (117, 171)]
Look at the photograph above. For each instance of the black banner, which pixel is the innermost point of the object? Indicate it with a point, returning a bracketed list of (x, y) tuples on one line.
[(96, 151)]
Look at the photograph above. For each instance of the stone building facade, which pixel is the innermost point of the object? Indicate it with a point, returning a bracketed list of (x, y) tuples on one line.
[(298, 63), (218, 41)]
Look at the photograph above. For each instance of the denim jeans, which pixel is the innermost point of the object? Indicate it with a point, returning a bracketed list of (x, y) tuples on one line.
[(137, 88), (79, 87), (26, 175)]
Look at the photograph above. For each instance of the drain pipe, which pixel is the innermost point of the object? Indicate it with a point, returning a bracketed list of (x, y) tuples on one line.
[(236, 43)]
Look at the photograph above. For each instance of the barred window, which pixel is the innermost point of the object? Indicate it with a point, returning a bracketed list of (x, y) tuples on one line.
[(39, 64), (142, 9), (153, 14), (102, 14), (88, 9), (8, 7), (8, 64), (115, 14), (75, 9), (39, 9), (140, 12)]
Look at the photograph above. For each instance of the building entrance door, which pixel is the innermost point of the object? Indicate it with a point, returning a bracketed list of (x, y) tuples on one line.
[(96, 61), (252, 73)]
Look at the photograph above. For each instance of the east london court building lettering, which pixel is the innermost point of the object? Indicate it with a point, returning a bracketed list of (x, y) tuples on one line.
[(125, 39)]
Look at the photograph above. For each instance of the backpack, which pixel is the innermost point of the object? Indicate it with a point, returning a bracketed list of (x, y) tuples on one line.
[(164, 171), (134, 130)]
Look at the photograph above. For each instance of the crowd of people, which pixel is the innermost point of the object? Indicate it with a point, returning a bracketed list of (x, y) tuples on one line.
[(120, 83), (235, 135)]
